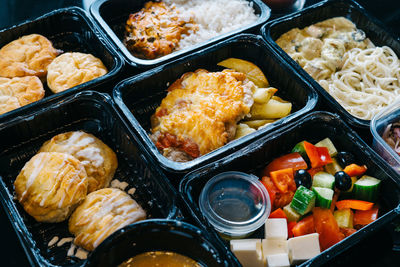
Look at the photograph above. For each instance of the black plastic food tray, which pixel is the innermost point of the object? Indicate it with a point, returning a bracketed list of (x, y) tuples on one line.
[(162, 235), (314, 127), (374, 29), (69, 29), (94, 113), (139, 96), (112, 16)]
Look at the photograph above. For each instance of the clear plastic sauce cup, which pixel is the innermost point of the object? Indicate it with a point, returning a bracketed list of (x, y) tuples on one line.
[(235, 203)]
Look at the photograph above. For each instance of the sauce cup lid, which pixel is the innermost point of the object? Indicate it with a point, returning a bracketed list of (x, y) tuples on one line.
[(235, 203)]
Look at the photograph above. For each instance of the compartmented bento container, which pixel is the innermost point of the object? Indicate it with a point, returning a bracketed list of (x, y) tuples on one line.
[(111, 16), (313, 128), (379, 123), (373, 28), (94, 113), (162, 235), (139, 96), (70, 30)]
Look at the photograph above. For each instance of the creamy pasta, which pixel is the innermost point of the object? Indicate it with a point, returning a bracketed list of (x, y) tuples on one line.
[(361, 77)]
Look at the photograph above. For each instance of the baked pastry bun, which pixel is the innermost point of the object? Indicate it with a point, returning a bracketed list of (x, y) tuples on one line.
[(102, 213), (51, 185), (27, 56), (18, 92), (71, 69), (99, 160)]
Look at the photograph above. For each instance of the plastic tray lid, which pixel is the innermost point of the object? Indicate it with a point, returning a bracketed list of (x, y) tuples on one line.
[(246, 46), (375, 30), (314, 127), (108, 16), (76, 32)]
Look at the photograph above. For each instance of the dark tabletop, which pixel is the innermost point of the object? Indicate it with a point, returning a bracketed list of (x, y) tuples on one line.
[(375, 251)]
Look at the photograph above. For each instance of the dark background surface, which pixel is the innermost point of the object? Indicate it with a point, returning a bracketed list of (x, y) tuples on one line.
[(376, 251)]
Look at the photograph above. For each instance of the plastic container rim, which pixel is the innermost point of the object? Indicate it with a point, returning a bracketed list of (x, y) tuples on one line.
[(394, 107), (233, 228), (34, 257), (337, 248), (172, 166), (145, 63), (84, 16), (265, 32)]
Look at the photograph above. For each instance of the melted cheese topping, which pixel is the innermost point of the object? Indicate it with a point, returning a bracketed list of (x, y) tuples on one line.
[(50, 185), (99, 160), (102, 213), (202, 106)]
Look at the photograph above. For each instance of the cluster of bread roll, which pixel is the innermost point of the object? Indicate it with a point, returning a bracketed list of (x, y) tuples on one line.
[(68, 178), (30, 60)]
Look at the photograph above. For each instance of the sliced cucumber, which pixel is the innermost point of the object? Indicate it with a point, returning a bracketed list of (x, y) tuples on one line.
[(299, 148), (344, 218), (333, 167), (291, 214), (323, 179), (324, 197), (328, 144), (367, 188), (303, 200)]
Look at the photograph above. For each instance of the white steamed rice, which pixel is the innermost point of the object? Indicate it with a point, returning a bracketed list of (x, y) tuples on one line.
[(214, 17)]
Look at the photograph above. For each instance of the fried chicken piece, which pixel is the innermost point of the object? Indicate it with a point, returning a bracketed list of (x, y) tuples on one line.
[(156, 30), (200, 112)]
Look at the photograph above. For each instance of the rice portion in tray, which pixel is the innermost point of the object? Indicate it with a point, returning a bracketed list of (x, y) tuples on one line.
[(161, 28)]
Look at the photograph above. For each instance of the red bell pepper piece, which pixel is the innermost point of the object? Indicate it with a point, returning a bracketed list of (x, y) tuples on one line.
[(304, 227), (278, 213), (278, 199), (354, 204), (284, 180), (319, 156), (355, 170), (364, 217), (292, 160), (327, 228), (312, 154), (271, 188), (324, 156), (290, 226)]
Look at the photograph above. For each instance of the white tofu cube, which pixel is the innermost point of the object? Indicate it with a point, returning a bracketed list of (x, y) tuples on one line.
[(278, 260), (274, 246), (302, 248), (276, 229), (248, 252)]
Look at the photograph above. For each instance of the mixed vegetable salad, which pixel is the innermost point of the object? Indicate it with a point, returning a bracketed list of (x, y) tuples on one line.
[(319, 196)]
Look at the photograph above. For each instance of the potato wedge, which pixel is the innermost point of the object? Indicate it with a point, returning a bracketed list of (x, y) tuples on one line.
[(242, 130), (257, 123), (277, 98), (263, 95), (271, 110), (253, 72)]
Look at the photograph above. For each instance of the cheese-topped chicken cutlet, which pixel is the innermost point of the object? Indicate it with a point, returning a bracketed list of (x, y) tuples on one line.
[(200, 113), (156, 30)]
